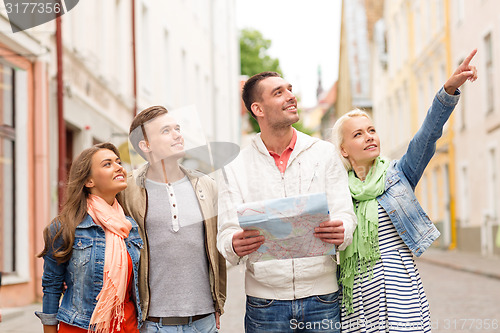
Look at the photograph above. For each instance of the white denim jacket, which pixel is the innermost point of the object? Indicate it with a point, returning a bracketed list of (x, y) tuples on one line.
[(253, 176)]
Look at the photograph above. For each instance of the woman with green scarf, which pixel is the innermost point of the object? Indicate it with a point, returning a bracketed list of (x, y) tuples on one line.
[(381, 287)]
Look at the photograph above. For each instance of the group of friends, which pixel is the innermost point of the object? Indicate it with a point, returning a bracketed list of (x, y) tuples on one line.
[(147, 252)]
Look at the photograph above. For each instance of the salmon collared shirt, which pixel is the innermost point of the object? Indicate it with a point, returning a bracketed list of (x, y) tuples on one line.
[(282, 160)]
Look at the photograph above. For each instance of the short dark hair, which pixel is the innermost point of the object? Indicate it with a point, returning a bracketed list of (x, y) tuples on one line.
[(251, 89), (137, 132)]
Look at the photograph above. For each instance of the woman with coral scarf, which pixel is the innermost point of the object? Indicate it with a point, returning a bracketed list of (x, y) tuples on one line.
[(92, 248)]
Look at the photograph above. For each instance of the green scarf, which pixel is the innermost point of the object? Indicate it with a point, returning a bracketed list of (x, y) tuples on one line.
[(364, 248)]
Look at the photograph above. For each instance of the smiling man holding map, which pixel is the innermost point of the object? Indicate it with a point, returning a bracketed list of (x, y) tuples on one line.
[(287, 179)]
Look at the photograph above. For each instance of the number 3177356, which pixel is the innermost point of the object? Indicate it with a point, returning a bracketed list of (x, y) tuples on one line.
[(33, 8)]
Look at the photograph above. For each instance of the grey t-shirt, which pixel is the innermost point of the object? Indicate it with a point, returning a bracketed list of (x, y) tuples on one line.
[(178, 267)]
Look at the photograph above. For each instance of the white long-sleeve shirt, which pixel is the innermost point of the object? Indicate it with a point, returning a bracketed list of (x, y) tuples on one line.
[(314, 166)]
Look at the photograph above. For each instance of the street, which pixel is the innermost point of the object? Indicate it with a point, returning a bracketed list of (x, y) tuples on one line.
[(460, 301), (232, 319)]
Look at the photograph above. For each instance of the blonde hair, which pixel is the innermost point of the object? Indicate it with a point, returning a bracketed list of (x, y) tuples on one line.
[(337, 136)]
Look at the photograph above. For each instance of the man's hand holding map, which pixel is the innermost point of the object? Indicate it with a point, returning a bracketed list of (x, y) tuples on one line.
[(288, 226)]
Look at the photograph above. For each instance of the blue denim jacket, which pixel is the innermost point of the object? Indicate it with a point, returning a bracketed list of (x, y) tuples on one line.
[(398, 199), (83, 275)]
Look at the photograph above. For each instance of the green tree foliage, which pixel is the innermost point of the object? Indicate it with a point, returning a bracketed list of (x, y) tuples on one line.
[(254, 59), (253, 51)]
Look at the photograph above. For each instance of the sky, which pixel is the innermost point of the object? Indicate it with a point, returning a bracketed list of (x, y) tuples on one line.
[(304, 35)]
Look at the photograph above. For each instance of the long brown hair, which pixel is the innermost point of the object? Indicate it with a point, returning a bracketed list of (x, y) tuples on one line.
[(62, 228)]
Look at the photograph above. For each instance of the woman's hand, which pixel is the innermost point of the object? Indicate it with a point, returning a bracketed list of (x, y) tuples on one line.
[(463, 73), (49, 328)]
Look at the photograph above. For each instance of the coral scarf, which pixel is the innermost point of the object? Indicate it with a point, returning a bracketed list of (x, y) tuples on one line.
[(109, 309)]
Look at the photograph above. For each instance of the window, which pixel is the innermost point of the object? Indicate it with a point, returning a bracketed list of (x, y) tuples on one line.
[(118, 58), (445, 204), (14, 260), (397, 40), (145, 62), (440, 17), (404, 37), (492, 181), (103, 38), (442, 73), (392, 124), (428, 25), (70, 139), (7, 169), (430, 91), (435, 195), (442, 79), (417, 28), (400, 128), (460, 5), (460, 109), (184, 78), (422, 104), (488, 54), (167, 73), (197, 85), (406, 112), (425, 193), (464, 196)]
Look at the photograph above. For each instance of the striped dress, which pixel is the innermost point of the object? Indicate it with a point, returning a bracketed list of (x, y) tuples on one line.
[(394, 299)]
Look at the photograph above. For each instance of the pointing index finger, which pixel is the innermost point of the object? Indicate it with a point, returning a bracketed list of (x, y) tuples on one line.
[(469, 57)]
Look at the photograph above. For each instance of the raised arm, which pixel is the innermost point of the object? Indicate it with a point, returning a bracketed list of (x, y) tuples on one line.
[(423, 145)]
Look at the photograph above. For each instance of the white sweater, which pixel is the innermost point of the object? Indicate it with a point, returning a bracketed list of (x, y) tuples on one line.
[(313, 167)]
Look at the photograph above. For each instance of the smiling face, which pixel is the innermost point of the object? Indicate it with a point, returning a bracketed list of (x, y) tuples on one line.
[(360, 144), (164, 139), (107, 175), (277, 105)]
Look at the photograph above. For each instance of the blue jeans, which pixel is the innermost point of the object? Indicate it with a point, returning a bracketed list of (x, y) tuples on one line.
[(311, 314), (203, 325)]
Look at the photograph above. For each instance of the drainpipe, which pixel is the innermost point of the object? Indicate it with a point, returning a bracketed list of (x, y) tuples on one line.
[(134, 60), (451, 125), (61, 125)]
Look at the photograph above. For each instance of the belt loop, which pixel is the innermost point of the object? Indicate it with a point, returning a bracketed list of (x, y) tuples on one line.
[(160, 322), (190, 321)]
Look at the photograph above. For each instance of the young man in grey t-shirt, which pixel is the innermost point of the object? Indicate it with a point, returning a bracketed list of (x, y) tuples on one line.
[(182, 277)]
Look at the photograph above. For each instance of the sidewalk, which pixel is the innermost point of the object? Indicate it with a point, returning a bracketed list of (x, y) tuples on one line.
[(22, 319), (463, 261)]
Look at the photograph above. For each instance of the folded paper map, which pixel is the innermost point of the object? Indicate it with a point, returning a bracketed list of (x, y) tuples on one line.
[(288, 226)]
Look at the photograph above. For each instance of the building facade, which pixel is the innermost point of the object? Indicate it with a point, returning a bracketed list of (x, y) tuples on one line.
[(475, 24), (24, 159), (417, 45), (133, 54), (415, 65), (355, 84)]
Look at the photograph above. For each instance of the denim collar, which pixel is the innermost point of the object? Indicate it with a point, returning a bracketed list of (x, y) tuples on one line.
[(87, 222)]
